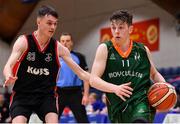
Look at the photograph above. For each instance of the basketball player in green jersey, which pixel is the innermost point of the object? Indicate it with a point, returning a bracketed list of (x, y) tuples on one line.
[(124, 62)]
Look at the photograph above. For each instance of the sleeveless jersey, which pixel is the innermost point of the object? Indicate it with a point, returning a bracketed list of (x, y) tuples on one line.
[(135, 69), (38, 69)]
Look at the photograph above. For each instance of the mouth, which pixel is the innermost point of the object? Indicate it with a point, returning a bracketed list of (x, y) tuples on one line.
[(51, 31)]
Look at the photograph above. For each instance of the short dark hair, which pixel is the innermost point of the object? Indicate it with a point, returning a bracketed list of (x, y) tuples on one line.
[(122, 15), (47, 10)]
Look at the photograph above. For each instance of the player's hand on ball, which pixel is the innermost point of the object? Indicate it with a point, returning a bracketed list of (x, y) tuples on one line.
[(124, 90)]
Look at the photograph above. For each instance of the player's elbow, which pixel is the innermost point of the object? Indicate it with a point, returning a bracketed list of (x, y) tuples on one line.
[(92, 81)]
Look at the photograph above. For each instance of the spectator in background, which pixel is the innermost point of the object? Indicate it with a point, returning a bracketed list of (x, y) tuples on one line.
[(92, 99), (104, 108), (70, 86), (95, 105)]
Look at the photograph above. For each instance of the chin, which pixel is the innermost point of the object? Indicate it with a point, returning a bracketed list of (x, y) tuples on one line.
[(50, 34)]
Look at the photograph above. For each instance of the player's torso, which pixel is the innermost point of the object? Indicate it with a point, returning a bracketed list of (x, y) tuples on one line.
[(38, 69), (135, 69)]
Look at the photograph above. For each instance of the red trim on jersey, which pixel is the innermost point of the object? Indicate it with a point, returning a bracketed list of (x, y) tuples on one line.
[(11, 98), (57, 100), (17, 64), (15, 68), (57, 55), (56, 95), (57, 59), (25, 52), (38, 45)]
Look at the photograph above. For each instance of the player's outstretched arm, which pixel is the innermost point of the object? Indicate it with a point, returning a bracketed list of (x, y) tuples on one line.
[(97, 71), (18, 49), (155, 75), (65, 54)]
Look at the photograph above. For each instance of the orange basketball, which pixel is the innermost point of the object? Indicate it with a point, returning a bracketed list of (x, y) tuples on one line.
[(162, 96)]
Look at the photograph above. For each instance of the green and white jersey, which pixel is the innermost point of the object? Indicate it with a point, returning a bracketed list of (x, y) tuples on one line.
[(134, 68)]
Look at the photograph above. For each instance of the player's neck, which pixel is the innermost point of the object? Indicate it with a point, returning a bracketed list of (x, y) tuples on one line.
[(41, 38), (123, 44)]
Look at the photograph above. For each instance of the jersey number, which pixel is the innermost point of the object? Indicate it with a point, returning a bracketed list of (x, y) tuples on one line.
[(125, 62)]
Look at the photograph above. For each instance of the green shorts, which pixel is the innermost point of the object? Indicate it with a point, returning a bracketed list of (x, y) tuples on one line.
[(135, 110)]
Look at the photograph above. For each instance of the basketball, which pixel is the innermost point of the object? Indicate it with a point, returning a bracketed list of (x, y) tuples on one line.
[(162, 96)]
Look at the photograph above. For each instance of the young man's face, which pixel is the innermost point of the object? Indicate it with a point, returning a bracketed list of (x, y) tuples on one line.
[(66, 41), (47, 25), (120, 30)]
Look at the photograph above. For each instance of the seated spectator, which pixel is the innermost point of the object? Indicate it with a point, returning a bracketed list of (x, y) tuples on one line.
[(92, 99), (104, 109), (95, 105)]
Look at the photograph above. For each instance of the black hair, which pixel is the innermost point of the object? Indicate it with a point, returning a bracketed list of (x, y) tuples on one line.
[(47, 10), (122, 15)]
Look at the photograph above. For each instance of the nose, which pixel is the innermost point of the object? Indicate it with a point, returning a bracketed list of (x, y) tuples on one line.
[(53, 26), (63, 43), (116, 30)]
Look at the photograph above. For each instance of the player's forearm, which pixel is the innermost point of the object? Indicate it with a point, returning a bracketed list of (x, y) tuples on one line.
[(157, 77), (86, 88), (83, 75), (7, 71), (102, 85)]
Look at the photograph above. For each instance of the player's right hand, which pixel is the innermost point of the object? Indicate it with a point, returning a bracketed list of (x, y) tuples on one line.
[(124, 90), (10, 80)]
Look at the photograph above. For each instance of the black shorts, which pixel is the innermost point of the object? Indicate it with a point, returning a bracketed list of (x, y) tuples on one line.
[(26, 104)]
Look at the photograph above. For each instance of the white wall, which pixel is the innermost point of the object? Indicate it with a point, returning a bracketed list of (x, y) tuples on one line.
[(85, 18)]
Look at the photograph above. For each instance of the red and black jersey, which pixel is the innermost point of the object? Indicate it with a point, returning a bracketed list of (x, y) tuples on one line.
[(38, 69)]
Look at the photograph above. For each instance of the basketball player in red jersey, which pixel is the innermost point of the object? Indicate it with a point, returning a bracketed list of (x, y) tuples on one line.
[(35, 80)]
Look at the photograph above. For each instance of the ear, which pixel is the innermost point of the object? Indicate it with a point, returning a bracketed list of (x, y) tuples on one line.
[(38, 21), (131, 29)]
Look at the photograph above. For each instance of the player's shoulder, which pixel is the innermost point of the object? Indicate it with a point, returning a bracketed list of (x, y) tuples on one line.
[(139, 45), (21, 43), (107, 43), (22, 39)]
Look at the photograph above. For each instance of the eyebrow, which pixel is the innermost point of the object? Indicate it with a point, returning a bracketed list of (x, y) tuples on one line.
[(52, 21)]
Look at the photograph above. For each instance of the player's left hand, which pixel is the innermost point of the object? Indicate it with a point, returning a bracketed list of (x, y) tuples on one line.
[(84, 100)]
